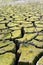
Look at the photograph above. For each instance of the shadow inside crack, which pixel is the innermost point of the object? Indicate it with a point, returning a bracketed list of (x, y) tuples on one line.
[(23, 63), (17, 58)]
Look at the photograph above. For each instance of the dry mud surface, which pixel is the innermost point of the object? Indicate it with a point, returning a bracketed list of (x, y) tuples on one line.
[(21, 35)]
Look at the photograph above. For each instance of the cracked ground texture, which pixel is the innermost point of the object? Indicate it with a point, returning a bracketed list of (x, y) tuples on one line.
[(21, 35)]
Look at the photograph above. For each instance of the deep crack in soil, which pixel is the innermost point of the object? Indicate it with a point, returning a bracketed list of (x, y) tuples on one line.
[(19, 54)]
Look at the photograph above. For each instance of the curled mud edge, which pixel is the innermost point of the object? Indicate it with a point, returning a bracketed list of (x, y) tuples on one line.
[(37, 58)]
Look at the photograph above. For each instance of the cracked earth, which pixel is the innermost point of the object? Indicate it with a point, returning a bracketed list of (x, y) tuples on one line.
[(21, 35)]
